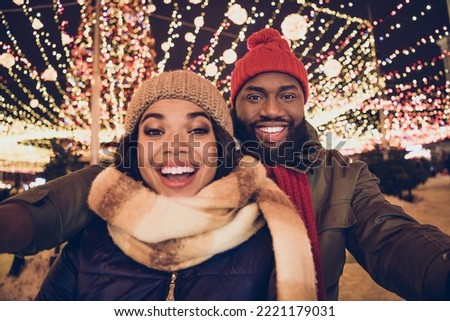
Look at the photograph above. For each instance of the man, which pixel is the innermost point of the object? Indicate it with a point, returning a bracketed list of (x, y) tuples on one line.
[(339, 200)]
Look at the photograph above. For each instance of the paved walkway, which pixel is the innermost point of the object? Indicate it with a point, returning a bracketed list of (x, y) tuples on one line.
[(431, 207)]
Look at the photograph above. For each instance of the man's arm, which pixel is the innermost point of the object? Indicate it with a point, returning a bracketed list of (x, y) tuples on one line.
[(400, 254), (46, 215)]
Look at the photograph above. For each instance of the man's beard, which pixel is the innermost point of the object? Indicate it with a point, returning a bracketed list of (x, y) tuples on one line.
[(286, 153)]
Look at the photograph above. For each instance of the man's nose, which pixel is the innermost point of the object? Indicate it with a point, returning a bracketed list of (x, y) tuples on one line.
[(272, 109)]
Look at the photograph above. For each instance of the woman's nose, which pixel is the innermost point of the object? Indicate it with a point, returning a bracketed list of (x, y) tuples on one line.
[(179, 143)]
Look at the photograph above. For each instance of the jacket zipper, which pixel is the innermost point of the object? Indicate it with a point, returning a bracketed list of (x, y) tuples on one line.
[(171, 294)]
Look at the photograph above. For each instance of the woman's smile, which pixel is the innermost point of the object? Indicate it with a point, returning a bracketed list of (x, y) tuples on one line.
[(174, 176)]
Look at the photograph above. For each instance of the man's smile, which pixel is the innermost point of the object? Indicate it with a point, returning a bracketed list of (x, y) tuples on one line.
[(272, 132)]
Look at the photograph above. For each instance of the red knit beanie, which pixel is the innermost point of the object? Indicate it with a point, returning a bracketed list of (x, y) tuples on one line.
[(268, 52)]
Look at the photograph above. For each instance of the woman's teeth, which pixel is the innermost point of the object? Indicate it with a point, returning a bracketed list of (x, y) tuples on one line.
[(174, 170)]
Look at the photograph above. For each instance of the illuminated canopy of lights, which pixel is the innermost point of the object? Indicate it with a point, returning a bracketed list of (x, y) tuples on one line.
[(350, 99)]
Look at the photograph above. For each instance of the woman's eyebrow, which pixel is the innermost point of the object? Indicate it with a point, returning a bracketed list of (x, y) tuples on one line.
[(188, 116), (152, 115), (197, 114)]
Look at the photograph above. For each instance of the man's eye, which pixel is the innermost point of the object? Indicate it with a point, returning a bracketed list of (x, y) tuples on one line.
[(254, 97), (288, 96), (153, 132)]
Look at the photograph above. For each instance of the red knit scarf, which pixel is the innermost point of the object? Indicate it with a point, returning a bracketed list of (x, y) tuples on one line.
[(296, 186)]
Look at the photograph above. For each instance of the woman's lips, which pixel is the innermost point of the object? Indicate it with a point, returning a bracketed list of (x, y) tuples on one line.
[(177, 176)]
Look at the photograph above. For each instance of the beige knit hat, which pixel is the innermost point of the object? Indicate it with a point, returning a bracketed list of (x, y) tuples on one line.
[(179, 84)]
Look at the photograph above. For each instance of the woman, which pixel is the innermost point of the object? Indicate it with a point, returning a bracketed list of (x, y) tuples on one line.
[(180, 217)]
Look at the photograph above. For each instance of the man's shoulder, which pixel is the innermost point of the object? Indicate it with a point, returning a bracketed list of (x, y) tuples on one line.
[(334, 160)]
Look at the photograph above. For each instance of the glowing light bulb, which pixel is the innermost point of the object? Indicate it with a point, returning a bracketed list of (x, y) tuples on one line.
[(37, 24), (7, 60), (229, 56), (294, 26)]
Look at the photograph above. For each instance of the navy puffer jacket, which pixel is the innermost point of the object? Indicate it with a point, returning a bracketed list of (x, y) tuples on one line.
[(92, 267)]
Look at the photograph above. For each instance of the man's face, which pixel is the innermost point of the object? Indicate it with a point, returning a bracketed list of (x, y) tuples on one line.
[(269, 111)]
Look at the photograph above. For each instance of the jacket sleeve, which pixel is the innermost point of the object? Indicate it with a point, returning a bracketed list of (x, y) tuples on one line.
[(58, 208), (60, 284), (403, 256)]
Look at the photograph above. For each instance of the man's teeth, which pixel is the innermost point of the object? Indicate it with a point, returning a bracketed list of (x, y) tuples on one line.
[(271, 130), (173, 170)]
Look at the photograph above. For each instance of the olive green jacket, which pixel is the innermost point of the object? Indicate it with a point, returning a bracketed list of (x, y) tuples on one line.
[(401, 255)]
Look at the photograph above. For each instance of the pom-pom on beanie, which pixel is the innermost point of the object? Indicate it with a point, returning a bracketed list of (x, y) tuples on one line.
[(268, 52), (179, 84)]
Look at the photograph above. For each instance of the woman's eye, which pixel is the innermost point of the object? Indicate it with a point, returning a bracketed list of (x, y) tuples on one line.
[(153, 132), (199, 131)]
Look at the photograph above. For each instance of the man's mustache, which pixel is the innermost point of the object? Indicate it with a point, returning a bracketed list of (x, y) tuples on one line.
[(264, 119)]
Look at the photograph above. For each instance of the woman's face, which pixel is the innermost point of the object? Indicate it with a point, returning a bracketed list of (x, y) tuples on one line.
[(177, 149)]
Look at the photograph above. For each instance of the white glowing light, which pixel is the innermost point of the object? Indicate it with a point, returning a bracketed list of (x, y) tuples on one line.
[(82, 104), (7, 60), (199, 21), (66, 39), (37, 24), (165, 46), (229, 56), (237, 14), (211, 70), (37, 182), (332, 68), (413, 148), (189, 37), (294, 26), (50, 74), (18, 2), (417, 151), (34, 103)]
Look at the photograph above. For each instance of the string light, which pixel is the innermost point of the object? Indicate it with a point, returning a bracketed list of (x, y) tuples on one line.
[(199, 22), (347, 103)]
